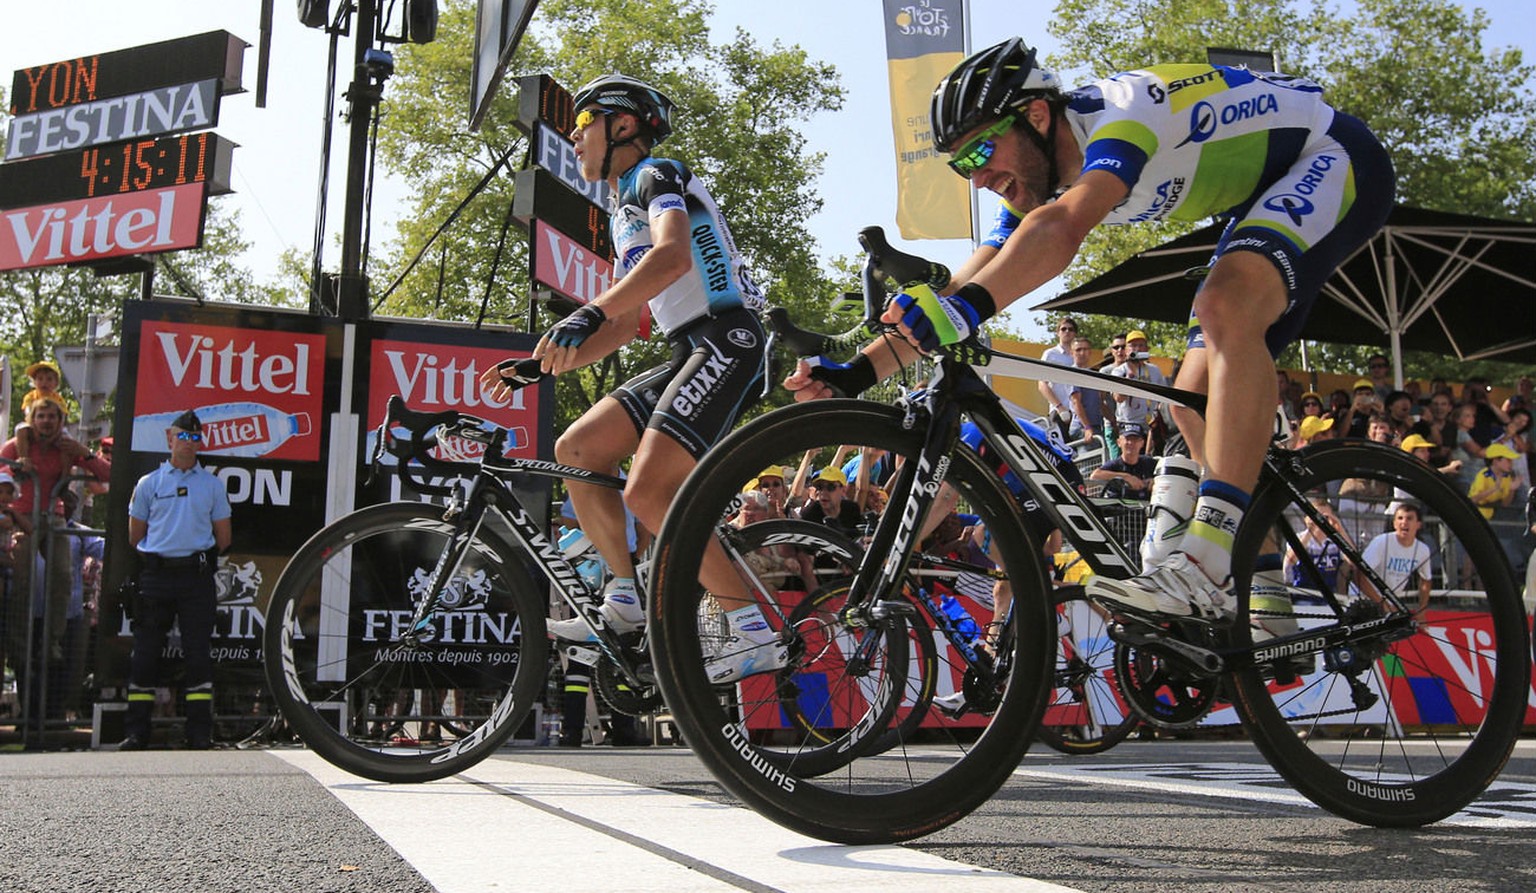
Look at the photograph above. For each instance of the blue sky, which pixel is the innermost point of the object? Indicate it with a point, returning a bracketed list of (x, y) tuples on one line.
[(276, 168)]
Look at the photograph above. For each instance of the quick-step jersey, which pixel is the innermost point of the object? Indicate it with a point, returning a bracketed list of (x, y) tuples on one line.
[(718, 280)]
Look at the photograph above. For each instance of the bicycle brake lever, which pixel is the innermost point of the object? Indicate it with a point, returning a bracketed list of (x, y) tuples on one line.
[(898, 266)]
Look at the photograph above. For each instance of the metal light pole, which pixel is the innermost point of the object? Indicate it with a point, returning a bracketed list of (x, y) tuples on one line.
[(345, 294), (369, 69)]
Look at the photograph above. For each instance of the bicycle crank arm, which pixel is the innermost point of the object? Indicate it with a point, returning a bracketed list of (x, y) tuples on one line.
[(1195, 658)]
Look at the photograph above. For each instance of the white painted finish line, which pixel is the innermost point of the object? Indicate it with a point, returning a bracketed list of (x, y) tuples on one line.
[(506, 825), (1506, 804)]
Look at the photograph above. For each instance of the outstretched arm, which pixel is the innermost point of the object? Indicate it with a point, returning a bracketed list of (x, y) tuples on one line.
[(1045, 242), (669, 258)]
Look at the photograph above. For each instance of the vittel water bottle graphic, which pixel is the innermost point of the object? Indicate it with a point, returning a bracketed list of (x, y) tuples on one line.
[(243, 430), (458, 449)]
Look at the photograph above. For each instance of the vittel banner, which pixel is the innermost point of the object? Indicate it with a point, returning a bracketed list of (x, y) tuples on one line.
[(288, 402), (563, 265), (258, 393), (433, 377), (73, 232)]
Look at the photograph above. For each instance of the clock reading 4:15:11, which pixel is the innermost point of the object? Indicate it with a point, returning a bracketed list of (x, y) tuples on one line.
[(148, 164)]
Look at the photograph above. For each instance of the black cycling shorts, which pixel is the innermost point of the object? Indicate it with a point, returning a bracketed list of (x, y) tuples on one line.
[(716, 373)]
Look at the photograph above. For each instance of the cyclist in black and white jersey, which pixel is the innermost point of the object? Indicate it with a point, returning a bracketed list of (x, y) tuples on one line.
[(1301, 184), (675, 255)]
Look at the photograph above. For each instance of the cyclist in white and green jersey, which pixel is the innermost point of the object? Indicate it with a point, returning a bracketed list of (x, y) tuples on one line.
[(1302, 185)]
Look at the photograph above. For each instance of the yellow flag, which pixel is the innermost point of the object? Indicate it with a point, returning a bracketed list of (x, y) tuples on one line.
[(923, 41)]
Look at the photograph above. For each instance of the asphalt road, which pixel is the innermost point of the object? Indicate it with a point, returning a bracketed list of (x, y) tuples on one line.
[(1197, 816)]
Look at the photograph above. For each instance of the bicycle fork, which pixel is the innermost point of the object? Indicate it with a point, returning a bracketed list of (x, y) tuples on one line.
[(468, 516)]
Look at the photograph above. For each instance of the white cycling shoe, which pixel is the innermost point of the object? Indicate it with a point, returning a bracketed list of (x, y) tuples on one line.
[(620, 617), (952, 705), (739, 658), (1177, 590)]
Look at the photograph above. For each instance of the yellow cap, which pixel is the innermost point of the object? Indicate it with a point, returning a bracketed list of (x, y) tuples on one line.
[(1312, 424), (1500, 451), (1364, 383), (1414, 441), (1134, 334)]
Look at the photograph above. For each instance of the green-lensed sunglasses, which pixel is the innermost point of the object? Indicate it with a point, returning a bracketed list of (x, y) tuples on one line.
[(974, 155)]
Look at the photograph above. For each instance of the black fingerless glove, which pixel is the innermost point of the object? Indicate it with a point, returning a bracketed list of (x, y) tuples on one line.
[(845, 379), (517, 373), (578, 327)]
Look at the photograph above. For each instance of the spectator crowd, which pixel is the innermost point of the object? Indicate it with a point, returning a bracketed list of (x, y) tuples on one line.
[(49, 572)]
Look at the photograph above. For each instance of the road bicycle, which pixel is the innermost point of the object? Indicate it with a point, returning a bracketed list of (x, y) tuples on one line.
[(1378, 712), (403, 621), (407, 641)]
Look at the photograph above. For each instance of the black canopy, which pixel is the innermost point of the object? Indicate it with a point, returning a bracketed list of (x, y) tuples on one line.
[(1452, 283)]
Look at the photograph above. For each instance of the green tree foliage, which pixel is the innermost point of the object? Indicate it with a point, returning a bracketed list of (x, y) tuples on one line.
[(1458, 117), (739, 105)]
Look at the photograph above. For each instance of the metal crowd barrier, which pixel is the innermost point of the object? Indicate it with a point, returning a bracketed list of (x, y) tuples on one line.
[(1363, 519), (36, 665)]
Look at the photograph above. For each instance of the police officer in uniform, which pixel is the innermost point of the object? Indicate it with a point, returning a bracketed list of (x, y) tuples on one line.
[(178, 520)]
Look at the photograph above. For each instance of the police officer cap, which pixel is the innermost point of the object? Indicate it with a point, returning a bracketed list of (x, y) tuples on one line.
[(188, 421)]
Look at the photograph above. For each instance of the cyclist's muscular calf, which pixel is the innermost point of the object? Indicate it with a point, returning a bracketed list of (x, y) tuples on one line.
[(1243, 296)]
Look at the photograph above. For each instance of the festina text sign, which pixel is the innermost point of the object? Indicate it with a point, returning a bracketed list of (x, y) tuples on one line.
[(185, 60), (567, 267), (104, 227), (555, 154), (158, 112)]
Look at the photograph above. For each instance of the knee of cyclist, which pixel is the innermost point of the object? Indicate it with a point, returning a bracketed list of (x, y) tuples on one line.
[(573, 449), (648, 504), (1227, 319)]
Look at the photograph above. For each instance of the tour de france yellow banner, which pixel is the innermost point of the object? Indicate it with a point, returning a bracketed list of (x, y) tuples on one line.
[(924, 39)]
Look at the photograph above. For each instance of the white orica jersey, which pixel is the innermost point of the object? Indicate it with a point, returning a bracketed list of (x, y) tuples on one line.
[(718, 279), (1191, 141)]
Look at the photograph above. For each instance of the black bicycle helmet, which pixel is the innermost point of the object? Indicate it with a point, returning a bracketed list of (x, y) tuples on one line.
[(625, 94), (985, 87)]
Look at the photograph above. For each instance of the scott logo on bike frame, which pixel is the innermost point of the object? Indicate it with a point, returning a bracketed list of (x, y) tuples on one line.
[(1089, 536), (908, 528)]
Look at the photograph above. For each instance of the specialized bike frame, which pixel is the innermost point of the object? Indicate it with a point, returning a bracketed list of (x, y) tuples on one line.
[(490, 491)]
